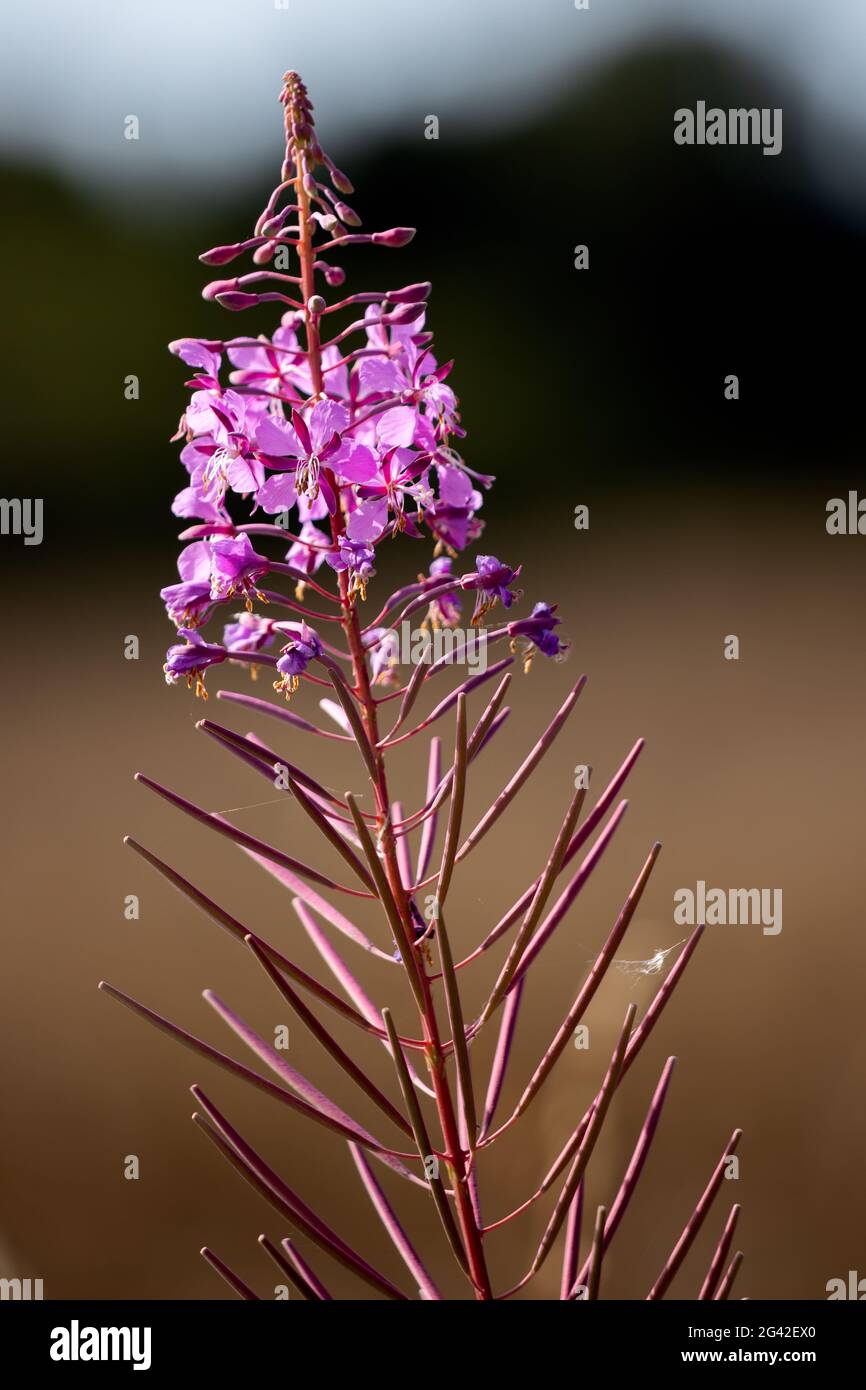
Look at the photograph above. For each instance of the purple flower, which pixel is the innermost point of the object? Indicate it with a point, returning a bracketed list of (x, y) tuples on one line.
[(202, 354), (279, 366), (357, 557), (220, 424), (296, 655), (275, 366), (248, 633), (191, 659), (452, 518), (228, 564), (398, 476), (186, 603), (492, 580), (444, 609), (538, 629), (306, 445)]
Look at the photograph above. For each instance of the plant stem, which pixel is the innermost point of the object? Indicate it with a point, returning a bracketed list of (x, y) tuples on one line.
[(413, 962)]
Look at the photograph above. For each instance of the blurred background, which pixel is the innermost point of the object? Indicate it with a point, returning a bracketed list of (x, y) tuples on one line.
[(602, 387)]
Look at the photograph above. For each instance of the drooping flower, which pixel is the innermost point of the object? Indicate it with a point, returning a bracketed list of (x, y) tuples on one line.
[(538, 631), (248, 633), (187, 603), (492, 580), (191, 659), (451, 517), (303, 645), (227, 564), (357, 557)]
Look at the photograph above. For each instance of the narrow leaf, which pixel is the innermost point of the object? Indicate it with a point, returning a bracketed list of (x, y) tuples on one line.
[(596, 1255), (263, 1178), (694, 1223), (717, 1264), (240, 837), (392, 1225), (287, 1268), (458, 1032), (329, 1043), (233, 1280), (455, 815), (240, 932), (730, 1275), (510, 790), (296, 1080), (306, 1271)]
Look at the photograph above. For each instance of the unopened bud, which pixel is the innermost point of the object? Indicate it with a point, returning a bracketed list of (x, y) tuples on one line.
[(334, 275), (407, 313), (220, 255), (410, 294), (340, 181), (396, 236), (211, 344), (236, 299), (263, 254), (218, 287), (316, 304), (347, 215)]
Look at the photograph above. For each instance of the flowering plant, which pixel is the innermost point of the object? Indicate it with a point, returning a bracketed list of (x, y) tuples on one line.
[(333, 441)]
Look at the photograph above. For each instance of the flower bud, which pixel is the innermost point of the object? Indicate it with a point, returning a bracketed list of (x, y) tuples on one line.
[(407, 313), (177, 345), (334, 275), (340, 181), (236, 299), (396, 236), (272, 225), (220, 255), (410, 294), (347, 215), (263, 254), (216, 287), (316, 304)]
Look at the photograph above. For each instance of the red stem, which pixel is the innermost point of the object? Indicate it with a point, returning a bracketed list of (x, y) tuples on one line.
[(414, 964)]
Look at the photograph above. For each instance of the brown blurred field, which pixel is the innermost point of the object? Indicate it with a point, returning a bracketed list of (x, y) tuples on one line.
[(752, 776)]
